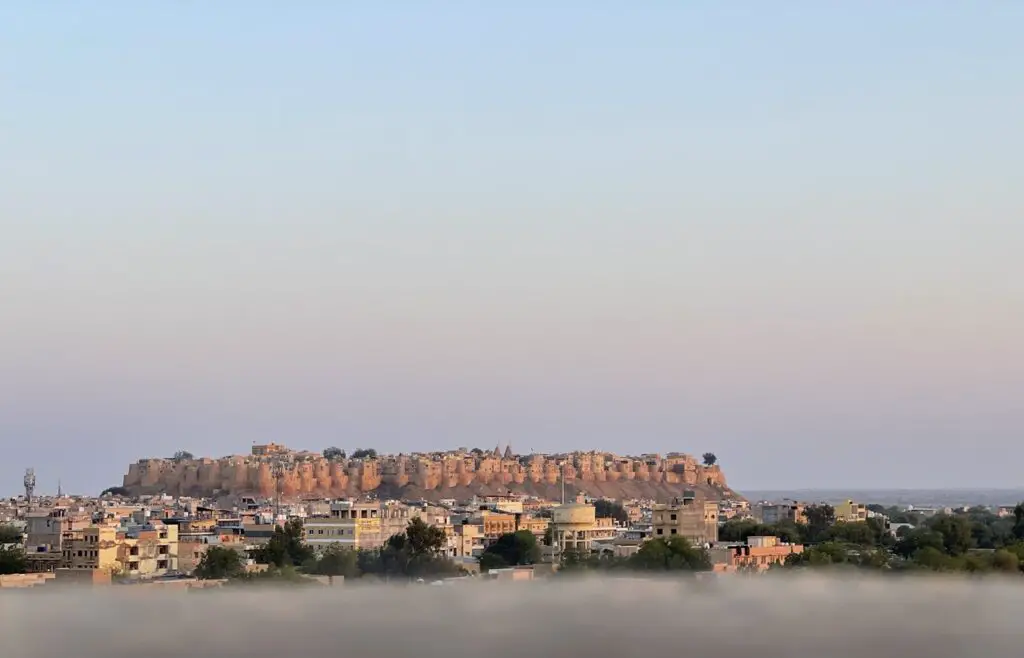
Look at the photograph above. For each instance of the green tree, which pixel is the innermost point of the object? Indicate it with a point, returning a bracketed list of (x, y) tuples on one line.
[(819, 519), (673, 554), (933, 558), (710, 459), (10, 534), (610, 509), (423, 539), (285, 547), (490, 561), (416, 552), (916, 540), (514, 548), (859, 533), (337, 560), (955, 531), (12, 560), (364, 453), (822, 554), (1018, 521), (334, 453), (1005, 561), (220, 562)]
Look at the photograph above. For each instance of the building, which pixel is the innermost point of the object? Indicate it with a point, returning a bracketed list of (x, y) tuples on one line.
[(496, 524), (772, 513), (575, 527), (361, 525), (851, 512), (467, 540), (758, 553), (147, 551), (269, 449), (688, 516)]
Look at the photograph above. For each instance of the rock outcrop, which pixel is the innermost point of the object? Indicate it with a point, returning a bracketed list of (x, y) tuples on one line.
[(432, 476)]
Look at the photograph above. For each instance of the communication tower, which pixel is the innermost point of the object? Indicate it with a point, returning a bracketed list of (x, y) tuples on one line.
[(30, 484)]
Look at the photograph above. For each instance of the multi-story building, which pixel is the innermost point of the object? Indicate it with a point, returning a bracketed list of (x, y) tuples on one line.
[(758, 553), (851, 512), (149, 550), (690, 517), (496, 524), (362, 525), (771, 513)]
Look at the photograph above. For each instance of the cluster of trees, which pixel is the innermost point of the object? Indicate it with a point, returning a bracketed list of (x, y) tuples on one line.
[(610, 509), (12, 556), (512, 549), (671, 554), (973, 541), (334, 453), (414, 553)]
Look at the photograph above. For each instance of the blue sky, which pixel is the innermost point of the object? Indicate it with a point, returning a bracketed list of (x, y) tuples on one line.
[(789, 233)]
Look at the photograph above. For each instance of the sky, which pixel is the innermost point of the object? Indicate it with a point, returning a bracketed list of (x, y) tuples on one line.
[(786, 233)]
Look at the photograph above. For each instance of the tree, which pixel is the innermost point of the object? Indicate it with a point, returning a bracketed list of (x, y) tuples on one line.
[(364, 453), (1018, 521), (823, 554), (12, 560), (337, 560), (673, 554), (514, 548), (285, 547), (115, 491), (10, 534), (334, 453), (415, 552), (955, 532), (710, 459), (219, 562), (423, 539), (610, 509), (182, 455), (819, 519), (917, 540), (859, 533), (1004, 560)]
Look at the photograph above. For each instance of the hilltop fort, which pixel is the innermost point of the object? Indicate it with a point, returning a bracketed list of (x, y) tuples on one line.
[(272, 468)]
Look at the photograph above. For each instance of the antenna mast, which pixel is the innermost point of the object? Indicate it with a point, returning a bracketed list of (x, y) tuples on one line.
[(563, 483), (30, 485), (278, 471)]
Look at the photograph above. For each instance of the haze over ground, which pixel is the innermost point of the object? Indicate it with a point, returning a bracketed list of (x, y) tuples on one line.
[(776, 617), (788, 235)]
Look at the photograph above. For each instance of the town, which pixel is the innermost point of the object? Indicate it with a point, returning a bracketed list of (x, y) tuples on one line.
[(281, 532)]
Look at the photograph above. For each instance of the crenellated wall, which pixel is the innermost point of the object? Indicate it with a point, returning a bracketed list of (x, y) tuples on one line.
[(433, 475)]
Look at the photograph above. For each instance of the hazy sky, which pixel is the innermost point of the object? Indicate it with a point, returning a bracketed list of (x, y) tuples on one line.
[(791, 233)]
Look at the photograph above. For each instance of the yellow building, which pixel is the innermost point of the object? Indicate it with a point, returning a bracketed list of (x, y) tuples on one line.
[(851, 512), (688, 517), (92, 548), (151, 550), (145, 551), (496, 524)]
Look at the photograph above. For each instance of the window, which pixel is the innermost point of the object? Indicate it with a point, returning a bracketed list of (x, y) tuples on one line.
[(673, 531), (673, 517), (660, 531)]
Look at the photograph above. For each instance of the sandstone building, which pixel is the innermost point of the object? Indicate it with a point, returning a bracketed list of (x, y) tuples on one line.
[(272, 469)]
